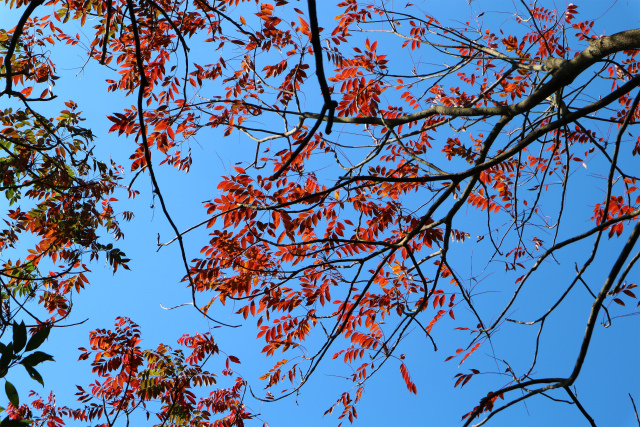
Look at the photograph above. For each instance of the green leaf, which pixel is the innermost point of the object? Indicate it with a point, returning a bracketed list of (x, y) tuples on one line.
[(35, 358), (19, 336), (37, 339), (12, 394), (7, 350), (8, 422), (6, 359), (35, 375)]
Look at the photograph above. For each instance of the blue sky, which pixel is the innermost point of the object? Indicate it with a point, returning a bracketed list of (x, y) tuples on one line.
[(611, 371)]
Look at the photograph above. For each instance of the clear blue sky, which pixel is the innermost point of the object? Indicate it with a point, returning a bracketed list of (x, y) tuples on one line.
[(611, 371)]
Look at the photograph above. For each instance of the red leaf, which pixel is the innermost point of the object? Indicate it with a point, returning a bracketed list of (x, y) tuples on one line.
[(475, 347)]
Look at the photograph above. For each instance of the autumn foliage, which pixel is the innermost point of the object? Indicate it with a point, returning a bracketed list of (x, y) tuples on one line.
[(350, 226)]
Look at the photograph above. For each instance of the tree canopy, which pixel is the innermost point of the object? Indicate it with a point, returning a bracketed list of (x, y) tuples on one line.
[(402, 192)]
